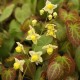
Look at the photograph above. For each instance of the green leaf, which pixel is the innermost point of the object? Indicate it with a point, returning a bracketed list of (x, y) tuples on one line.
[(37, 48), (77, 57), (14, 28), (7, 12), (21, 14), (33, 5), (40, 4), (61, 31), (44, 40), (38, 74), (6, 47)]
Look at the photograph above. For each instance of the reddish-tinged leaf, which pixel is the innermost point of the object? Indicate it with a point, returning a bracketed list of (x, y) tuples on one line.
[(55, 71), (73, 32), (64, 15), (66, 62), (72, 77), (9, 74), (29, 68)]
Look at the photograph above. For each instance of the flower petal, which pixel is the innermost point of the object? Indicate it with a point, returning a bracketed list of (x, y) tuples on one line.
[(40, 59), (21, 68), (48, 2), (54, 46), (31, 52), (39, 53), (16, 60), (28, 37)]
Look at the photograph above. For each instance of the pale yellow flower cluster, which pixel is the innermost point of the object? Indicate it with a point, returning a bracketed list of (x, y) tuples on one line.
[(33, 36), (49, 7), (51, 31), (36, 56)]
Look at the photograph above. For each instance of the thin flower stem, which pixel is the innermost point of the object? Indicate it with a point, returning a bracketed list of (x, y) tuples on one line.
[(24, 73)]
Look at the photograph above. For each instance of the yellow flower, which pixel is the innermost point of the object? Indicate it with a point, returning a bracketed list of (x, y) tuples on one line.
[(55, 14), (34, 37), (50, 17), (36, 56), (49, 7), (50, 26), (51, 33), (34, 22), (19, 48), (18, 64), (41, 12), (49, 48)]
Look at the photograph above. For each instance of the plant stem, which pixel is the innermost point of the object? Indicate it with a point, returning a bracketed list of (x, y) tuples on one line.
[(24, 73)]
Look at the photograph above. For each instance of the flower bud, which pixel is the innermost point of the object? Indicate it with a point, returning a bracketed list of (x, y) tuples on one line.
[(34, 22), (55, 14), (41, 12), (50, 17)]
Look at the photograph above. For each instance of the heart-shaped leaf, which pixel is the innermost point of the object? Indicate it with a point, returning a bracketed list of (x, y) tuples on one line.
[(73, 32), (55, 71), (21, 14), (61, 31), (66, 62), (9, 74), (71, 15), (6, 47), (7, 12), (14, 28)]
